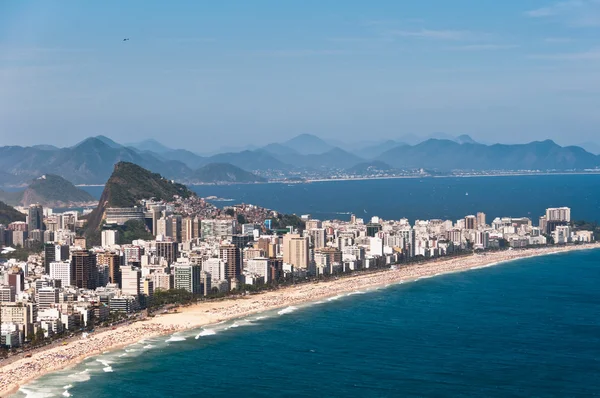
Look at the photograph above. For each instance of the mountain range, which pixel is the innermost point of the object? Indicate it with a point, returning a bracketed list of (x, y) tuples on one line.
[(91, 161)]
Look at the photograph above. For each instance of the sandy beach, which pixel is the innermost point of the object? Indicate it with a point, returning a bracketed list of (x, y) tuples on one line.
[(22, 371)]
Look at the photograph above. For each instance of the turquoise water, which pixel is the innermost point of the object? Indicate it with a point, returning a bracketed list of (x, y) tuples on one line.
[(518, 196), (528, 328)]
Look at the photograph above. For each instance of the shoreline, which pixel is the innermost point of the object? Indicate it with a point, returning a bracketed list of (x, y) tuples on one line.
[(396, 177), (53, 359)]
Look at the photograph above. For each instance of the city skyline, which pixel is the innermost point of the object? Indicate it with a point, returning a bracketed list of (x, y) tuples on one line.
[(211, 75)]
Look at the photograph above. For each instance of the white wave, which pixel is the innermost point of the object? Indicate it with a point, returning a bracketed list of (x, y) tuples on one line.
[(174, 338), (80, 376), (103, 361), (287, 310), (354, 293), (207, 332), (34, 394)]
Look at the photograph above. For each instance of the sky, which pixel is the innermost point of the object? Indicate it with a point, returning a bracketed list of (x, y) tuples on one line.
[(203, 75)]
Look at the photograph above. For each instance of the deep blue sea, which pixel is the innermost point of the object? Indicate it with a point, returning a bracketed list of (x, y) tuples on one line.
[(413, 198), (528, 328)]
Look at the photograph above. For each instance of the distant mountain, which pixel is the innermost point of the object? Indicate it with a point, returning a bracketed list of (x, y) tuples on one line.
[(224, 172), (108, 141), (92, 160), (45, 147), (308, 144), (373, 151), (591, 147), (335, 158), (412, 139), (9, 214), (48, 190), (130, 183), (89, 162), (370, 168), (250, 160), (150, 145), (449, 155), (279, 149), (53, 191), (465, 139)]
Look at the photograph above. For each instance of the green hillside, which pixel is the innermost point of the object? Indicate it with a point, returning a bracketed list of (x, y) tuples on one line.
[(9, 214), (130, 183)]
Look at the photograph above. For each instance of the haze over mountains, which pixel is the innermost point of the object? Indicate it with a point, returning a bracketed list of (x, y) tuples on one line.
[(92, 160)]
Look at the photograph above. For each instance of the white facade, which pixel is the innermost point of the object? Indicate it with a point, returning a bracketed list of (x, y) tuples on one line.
[(130, 281), (215, 267), (61, 270), (110, 237), (259, 266)]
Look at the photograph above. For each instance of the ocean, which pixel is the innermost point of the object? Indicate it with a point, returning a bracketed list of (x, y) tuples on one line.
[(528, 328), (413, 198)]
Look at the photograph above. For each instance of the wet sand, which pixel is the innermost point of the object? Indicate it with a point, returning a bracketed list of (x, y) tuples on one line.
[(22, 371)]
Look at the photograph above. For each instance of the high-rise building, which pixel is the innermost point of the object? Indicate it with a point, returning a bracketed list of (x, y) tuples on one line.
[(482, 240), (373, 229), (147, 287), (241, 241), (217, 228), (295, 251), (130, 280), (110, 237), (54, 253), (558, 214), (187, 277), (543, 224), (190, 229), (481, 221), (15, 277), (47, 297), (35, 217), (317, 236), (176, 228), (215, 267), (206, 281), (167, 250), (63, 271), (376, 246), (259, 266), (132, 254), (7, 294), (164, 227), (113, 262), (85, 272), (334, 254), (470, 222), (230, 255)]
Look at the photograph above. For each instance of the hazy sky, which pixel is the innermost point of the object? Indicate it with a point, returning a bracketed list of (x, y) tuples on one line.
[(201, 74)]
